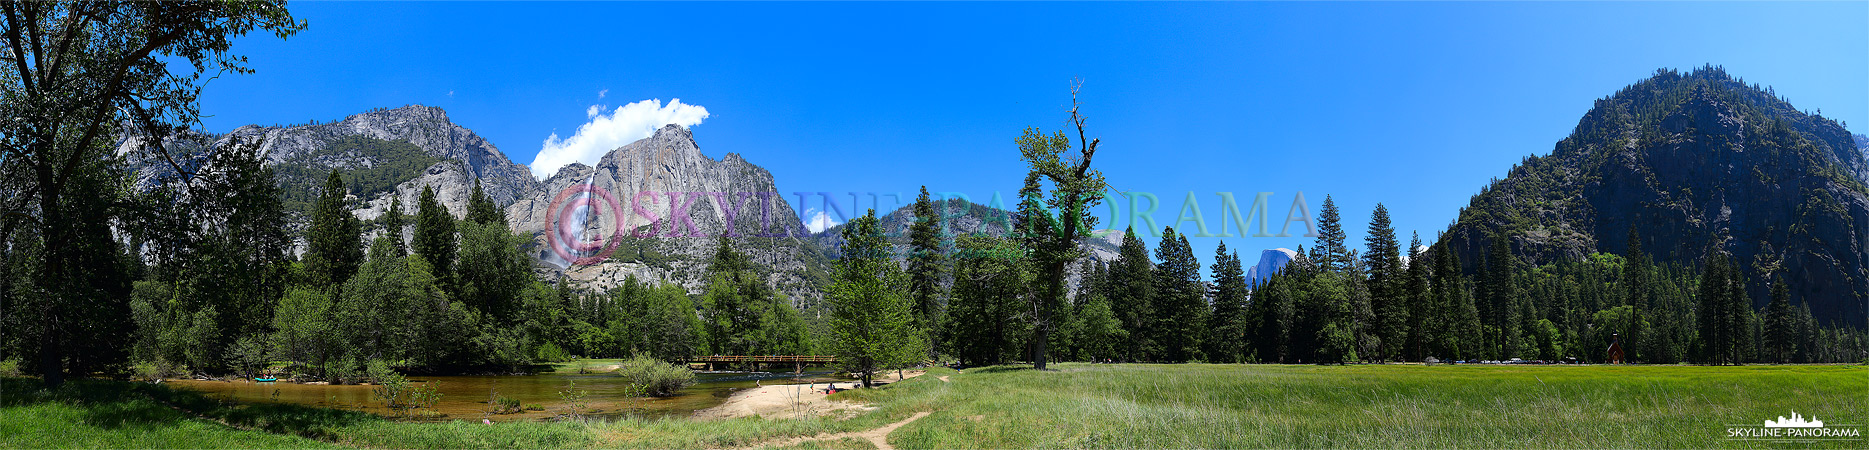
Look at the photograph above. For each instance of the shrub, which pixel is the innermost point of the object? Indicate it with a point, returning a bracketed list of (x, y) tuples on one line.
[(9, 368), (656, 378), (550, 352), (506, 405)]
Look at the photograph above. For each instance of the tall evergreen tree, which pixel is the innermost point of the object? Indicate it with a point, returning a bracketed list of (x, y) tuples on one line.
[(394, 221), (1179, 300), (983, 319), (1333, 255), (927, 266), (482, 210), (499, 271), (1387, 284), (1723, 314), (334, 242), (1132, 290), (1228, 329), (1417, 298), (1502, 299), (1779, 330), (434, 236), (872, 322)]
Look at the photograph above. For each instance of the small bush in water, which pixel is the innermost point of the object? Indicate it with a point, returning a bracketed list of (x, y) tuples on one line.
[(656, 378)]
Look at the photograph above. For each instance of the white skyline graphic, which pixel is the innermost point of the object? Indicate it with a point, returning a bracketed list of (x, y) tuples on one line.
[(1796, 421)]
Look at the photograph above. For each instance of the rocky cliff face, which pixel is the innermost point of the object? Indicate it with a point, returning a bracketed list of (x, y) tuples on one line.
[(459, 157), (672, 204), (466, 156), (1270, 261), (1694, 164)]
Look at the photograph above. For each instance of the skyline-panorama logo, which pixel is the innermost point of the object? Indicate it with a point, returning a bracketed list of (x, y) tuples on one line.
[(1795, 428)]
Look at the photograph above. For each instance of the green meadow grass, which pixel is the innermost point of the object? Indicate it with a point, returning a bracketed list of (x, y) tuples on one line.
[(1077, 406), (1214, 406)]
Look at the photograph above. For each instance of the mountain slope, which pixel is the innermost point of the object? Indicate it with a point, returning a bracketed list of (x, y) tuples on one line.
[(368, 140), (1694, 163), (648, 179)]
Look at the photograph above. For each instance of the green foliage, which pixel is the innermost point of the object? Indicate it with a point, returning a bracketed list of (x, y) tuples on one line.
[(482, 210), (334, 247), (655, 377), (391, 163), (926, 267), (83, 77), (396, 392), (434, 235), (394, 221), (982, 322), (742, 315), (643, 318), (500, 269), (304, 330), (549, 352), (1052, 241), (1179, 302), (1386, 285), (1132, 289), (872, 321)]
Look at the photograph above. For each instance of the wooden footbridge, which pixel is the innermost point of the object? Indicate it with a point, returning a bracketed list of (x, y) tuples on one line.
[(798, 362)]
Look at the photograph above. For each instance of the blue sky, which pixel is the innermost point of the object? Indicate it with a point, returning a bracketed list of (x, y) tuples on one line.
[(1415, 105)]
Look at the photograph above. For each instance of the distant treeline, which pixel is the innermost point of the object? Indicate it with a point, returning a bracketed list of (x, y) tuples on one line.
[(1333, 304)]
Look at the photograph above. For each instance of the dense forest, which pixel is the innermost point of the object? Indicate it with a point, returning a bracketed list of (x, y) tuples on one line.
[(196, 270)]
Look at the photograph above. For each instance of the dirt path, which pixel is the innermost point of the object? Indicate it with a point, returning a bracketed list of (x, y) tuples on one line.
[(878, 436), (782, 401), (943, 378)]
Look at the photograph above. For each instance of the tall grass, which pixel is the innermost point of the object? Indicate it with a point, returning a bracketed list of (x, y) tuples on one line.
[(1078, 406), (1185, 406)]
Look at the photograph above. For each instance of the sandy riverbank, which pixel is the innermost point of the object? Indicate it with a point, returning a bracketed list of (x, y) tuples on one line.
[(784, 401)]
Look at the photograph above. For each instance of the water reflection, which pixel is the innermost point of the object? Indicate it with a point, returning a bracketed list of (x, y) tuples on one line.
[(466, 397)]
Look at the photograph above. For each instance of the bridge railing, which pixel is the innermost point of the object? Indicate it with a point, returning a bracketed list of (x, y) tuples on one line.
[(763, 359)]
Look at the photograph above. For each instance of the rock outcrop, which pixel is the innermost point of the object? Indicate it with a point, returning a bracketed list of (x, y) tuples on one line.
[(672, 205), (1694, 163), (1270, 261), (466, 155)]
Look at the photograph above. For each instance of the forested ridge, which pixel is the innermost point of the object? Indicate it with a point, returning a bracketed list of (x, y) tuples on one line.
[(1689, 218), (1698, 164)]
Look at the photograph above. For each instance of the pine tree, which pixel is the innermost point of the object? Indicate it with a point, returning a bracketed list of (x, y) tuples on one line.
[(1502, 301), (1132, 291), (482, 210), (1417, 298), (334, 242), (926, 267), (1333, 255), (1779, 330), (981, 321), (394, 221), (1228, 328), (434, 236), (1387, 285), (1722, 315), (871, 320), (1180, 307)]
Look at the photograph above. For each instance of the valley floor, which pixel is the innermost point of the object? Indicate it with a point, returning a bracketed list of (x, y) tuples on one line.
[(1077, 406)]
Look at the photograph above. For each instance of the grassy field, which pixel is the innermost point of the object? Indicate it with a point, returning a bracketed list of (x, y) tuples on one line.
[(1079, 406)]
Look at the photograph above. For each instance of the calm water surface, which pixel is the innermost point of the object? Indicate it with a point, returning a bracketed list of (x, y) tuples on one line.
[(466, 397)]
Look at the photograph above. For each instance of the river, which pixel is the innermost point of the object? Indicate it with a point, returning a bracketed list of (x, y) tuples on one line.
[(466, 397)]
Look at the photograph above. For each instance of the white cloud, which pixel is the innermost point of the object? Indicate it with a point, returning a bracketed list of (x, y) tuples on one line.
[(600, 94), (605, 132), (819, 220), (592, 111)]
